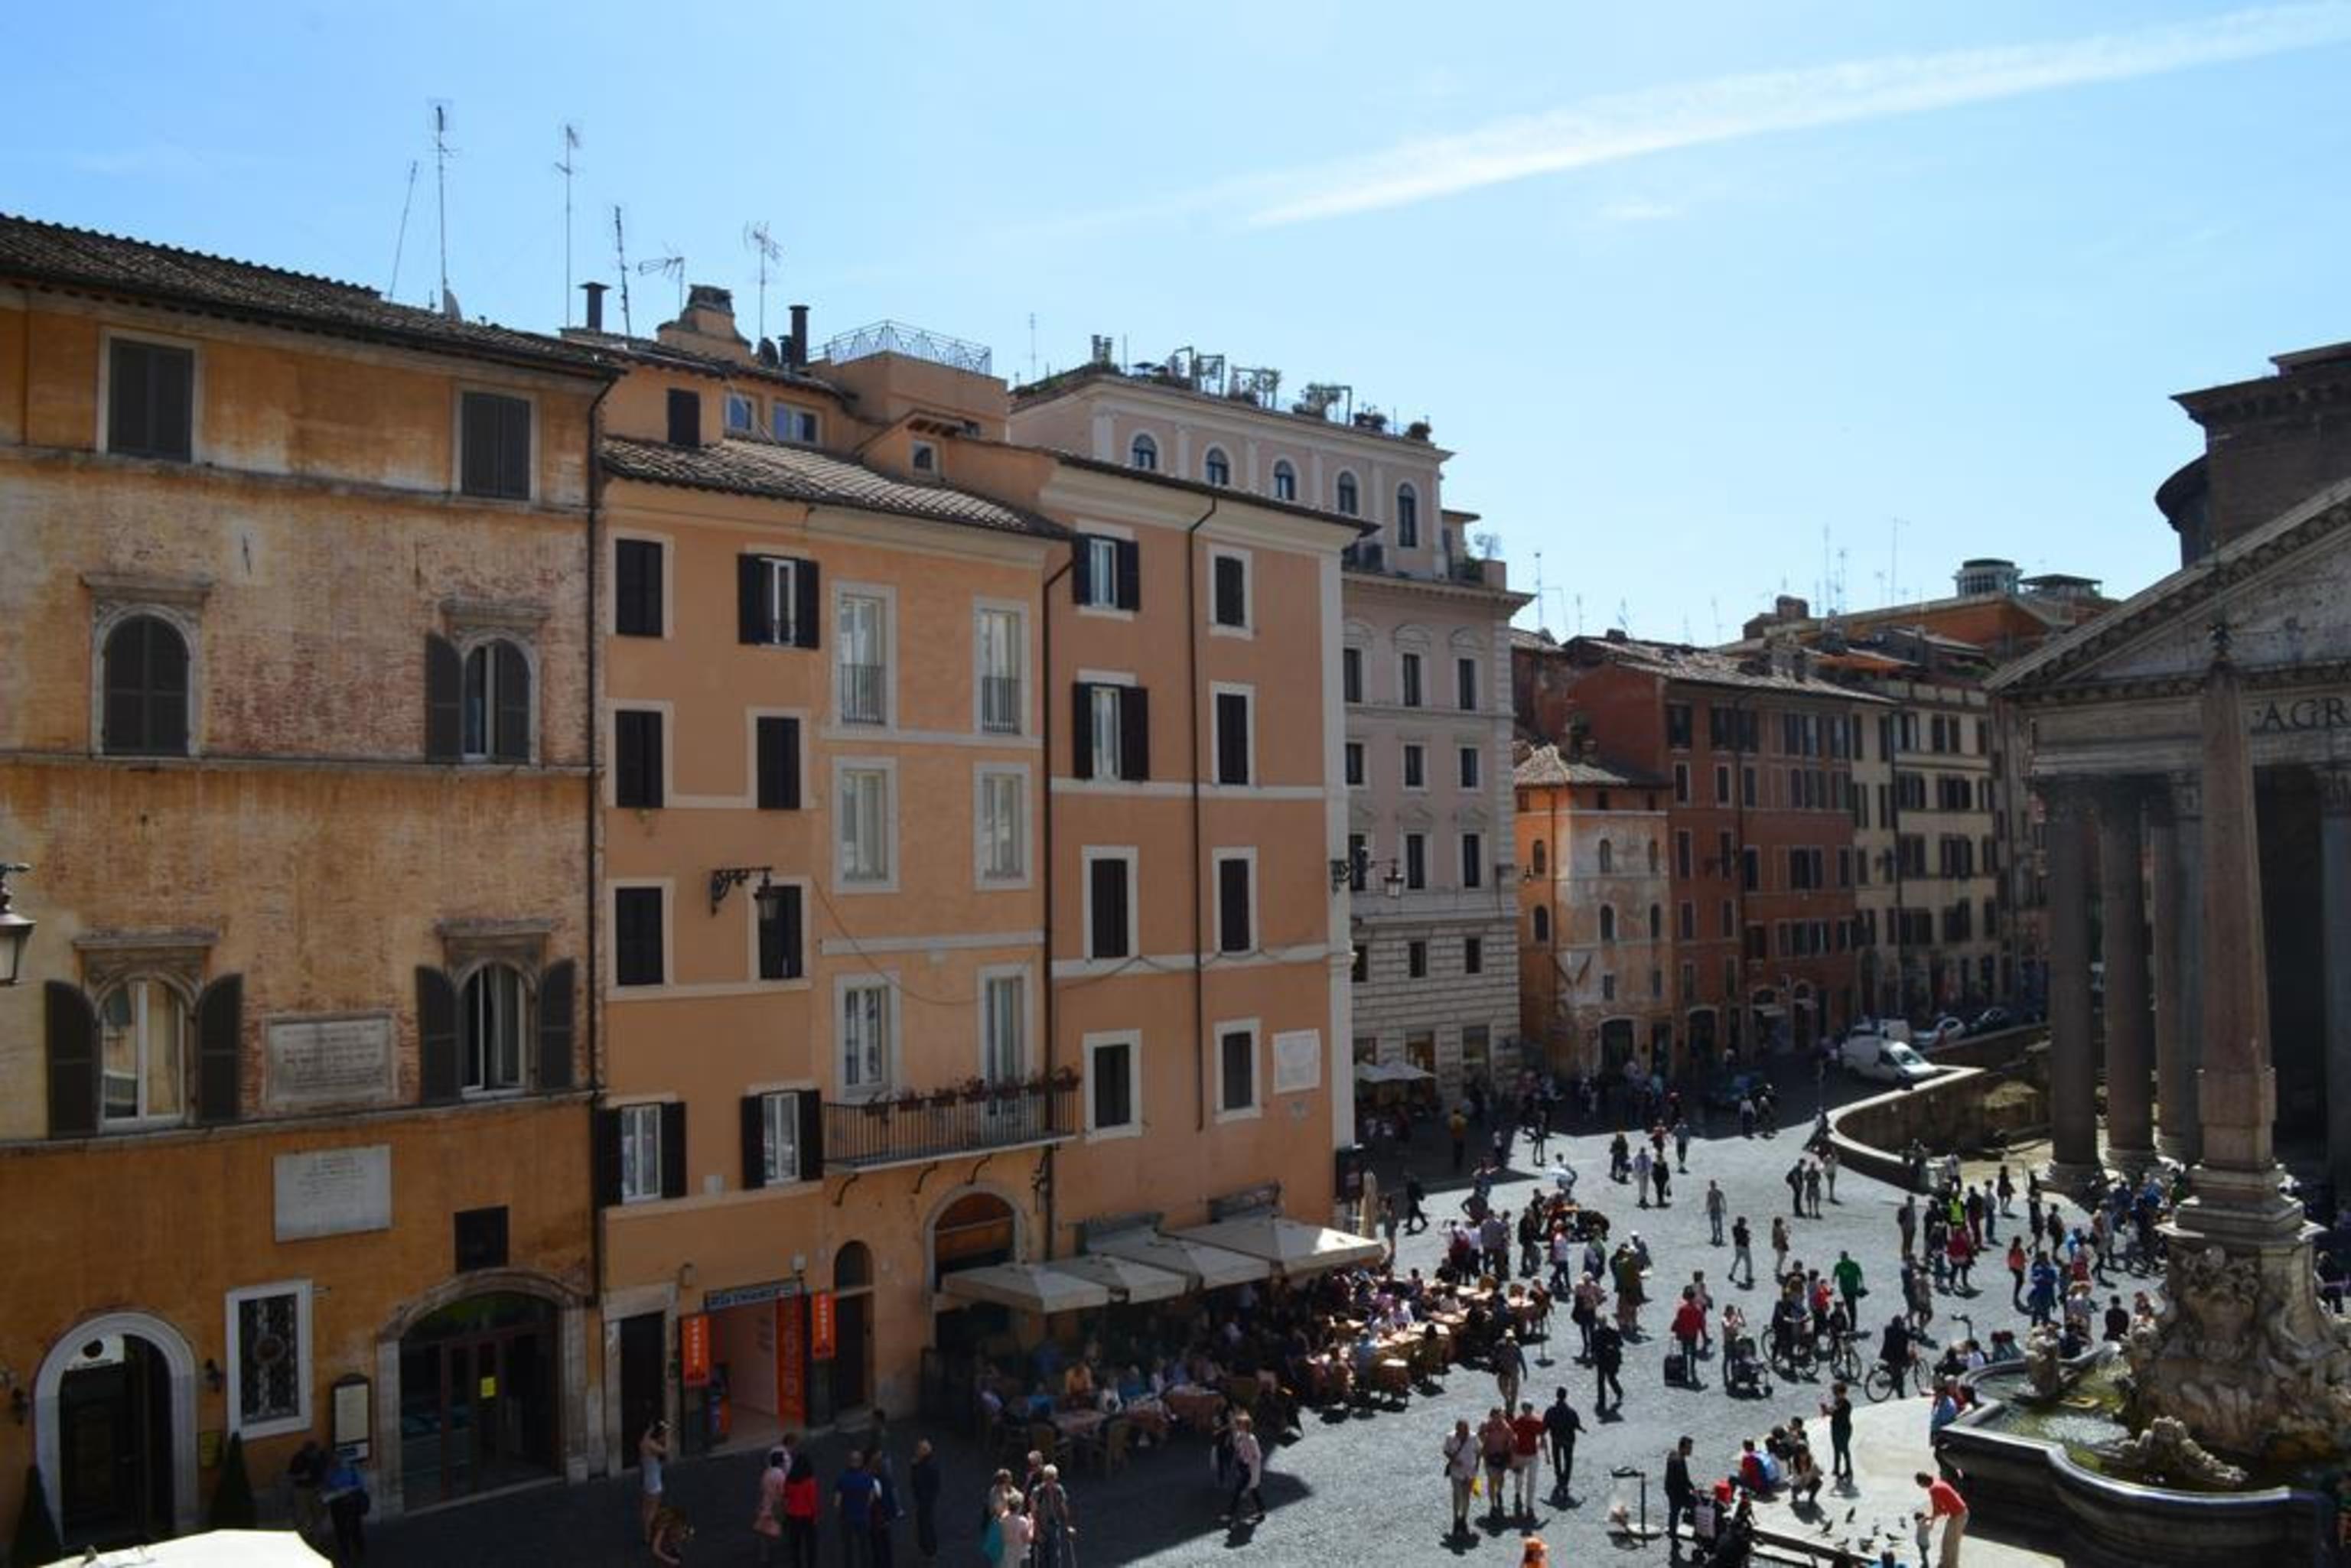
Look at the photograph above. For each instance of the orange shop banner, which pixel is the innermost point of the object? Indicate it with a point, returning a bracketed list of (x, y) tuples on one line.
[(820, 1326), (791, 1372), (694, 1349)]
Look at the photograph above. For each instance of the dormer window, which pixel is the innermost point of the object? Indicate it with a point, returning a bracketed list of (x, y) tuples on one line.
[(925, 459), (793, 424), (739, 414)]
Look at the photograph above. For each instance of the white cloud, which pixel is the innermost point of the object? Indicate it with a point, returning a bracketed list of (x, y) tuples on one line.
[(1727, 109)]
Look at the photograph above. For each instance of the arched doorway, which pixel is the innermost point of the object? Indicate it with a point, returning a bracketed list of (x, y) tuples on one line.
[(974, 1231), (114, 1407), (1616, 1042), (851, 1376), (479, 1396)]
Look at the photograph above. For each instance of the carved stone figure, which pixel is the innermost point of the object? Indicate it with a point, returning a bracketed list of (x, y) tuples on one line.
[(2165, 1452), (2043, 1363)]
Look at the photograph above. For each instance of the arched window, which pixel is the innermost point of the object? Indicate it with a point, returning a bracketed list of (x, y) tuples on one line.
[(1143, 453), (492, 1026), (1408, 517), (1285, 481), (1350, 500), (1542, 858), (143, 1054), (1607, 858), (852, 1266), (1217, 468), (497, 703), (146, 683), (1608, 923), (1542, 924), (1656, 922)]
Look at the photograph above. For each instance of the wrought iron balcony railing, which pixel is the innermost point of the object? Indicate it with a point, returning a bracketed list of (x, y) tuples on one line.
[(861, 693), (913, 1129)]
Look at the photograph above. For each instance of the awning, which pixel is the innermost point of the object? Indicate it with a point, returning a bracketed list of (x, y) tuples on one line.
[(215, 1548), (1390, 1072), (1026, 1286), (1203, 1268), (1290, 1246), (1124, 1278)]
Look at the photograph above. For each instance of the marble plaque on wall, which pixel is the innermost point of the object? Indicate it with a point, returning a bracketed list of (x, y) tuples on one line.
[(334, 1192), (345, 1059), (1297, 1060)]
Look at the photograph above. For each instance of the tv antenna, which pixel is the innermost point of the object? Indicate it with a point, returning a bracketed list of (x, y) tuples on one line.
[(565, 167), (400, 242), (670, 264), (441, 153), (762, 243), (620, 256)]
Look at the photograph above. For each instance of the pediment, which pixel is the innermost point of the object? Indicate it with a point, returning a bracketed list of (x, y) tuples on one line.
[(2284, 591)]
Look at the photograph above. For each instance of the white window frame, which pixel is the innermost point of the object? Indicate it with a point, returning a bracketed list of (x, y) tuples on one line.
[(886, 985), (922, 459), (1477, 682), (779, 595), (1284, 468), (615, 886), (1403, 856), (182, 1069), (1133, 859), (197, 452), (1475, 756), (1209, 459), (233, 1338), (1419, 658), (640, 1127), (981, 611), (982, 876), (1355, 762), (1463, 861), (1341, 481), (1406, 751), (1103, 700), (1108, 1039), (785, 423), (669, 581), (886, 598), (1217, 859), (1247, 629), (993, 974), (751, 717), (1144, 441), (526, 1020), (1248, 695), (887, 767), (1102, 570), (1407, 487), (482, 643), (613, 710), (1256, 1106), (751, 411), (771, 1173)]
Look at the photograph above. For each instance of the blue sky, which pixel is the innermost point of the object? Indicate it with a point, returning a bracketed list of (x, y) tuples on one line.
[(1682, 284)]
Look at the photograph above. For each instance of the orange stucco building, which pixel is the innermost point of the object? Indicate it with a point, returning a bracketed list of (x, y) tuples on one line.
[(292, 1095)]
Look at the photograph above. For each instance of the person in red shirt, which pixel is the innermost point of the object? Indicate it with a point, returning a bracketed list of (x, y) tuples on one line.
[(1526, 1450), (1944, 1503), (1688, 1327)]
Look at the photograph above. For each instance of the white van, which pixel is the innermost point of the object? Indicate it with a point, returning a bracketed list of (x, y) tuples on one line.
[(1869, 1055)]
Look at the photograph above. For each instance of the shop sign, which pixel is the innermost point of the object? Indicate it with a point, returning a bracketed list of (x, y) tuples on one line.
[(749, 1295), (694, 1349), (820, 1326), (791, 1358)]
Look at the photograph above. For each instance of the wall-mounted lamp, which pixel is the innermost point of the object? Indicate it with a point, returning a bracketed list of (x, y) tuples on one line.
[(727, 878), (214, 1378), (15, 930)]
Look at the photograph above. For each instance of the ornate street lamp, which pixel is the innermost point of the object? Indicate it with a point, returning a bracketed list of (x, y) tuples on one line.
[(15, 930)]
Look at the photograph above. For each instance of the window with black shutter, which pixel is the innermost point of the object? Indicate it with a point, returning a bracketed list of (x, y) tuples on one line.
[(1134, 734), (1240, 1075), (1231, 590), (150, 400), (673, 1149), (684, 417), (1232, 737), (637, 588), (444, 700), (555, 1014), (1129, 575), (606, 1150), (1351, 674), (220, 1031), (776, 601), (1233, 934), (637, 758), (637, 936), (1112, 1067), (778, 762), (436, 1036), (495, 436), (71, 1025), (1107, 934), (780, 933), (146, 675)]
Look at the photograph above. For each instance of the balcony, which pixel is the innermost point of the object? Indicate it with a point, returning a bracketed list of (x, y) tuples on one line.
[(915, 1126), (861, 693), (999, 704)]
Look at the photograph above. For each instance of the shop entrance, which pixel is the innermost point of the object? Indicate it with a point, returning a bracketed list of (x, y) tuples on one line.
[(975, 1231), (851, 1372), (478, 1398), (114, 1453)]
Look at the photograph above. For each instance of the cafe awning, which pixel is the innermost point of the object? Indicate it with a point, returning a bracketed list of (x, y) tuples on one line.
[(1203, 1268), (1390, 1072), (215, 1548), (1026, 1286), (1289, 1245), (1124, 1278)]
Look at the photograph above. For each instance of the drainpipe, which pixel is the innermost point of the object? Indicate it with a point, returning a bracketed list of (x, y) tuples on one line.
[(1551, 920), (1045, 690), (592, 836), (1199, 940)]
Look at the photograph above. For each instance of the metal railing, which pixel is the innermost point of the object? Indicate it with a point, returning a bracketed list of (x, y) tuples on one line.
[(861, 689), (915, 342), (949, 1122), (999, 704)]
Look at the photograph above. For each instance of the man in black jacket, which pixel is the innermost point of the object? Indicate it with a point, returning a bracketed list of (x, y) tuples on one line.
[(1561, 1426), (1680, 1495), (1607, 1360)]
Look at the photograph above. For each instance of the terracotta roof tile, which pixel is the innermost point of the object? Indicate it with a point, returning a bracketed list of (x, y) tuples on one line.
[(799, 473)]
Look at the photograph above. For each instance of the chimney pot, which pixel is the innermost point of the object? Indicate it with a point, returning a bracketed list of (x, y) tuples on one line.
[(798, 358), (595, 292)]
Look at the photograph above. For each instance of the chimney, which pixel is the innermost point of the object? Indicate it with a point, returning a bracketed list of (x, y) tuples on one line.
[(796, 356), (595, 293)]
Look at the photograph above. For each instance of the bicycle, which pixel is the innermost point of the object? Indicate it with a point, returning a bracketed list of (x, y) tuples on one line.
[(1843, 1359), (1882, 1385)]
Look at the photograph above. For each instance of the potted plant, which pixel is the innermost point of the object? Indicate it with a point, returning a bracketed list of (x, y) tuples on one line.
[(1419, 430)]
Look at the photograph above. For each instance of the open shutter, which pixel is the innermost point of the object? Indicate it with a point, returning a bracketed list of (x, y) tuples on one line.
[(792, 936), (808, 616), (607, 1158), (129, 370), (512, 740), (1081, 731), (1134, 734), (478, 434), (555, 1005), (72, 1026), (754, 1143), (750, 602), (1129, 575), (514, 446), (444, 683), (780, 764), (1081, 571), (436, 1036), (673, 1149), (811, 1110), (220, 1030)]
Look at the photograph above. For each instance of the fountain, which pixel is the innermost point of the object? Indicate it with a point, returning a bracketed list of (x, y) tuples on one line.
[(2214, 1444)]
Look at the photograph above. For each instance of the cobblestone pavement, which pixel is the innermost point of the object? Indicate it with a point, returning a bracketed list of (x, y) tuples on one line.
[(1367, 1489)]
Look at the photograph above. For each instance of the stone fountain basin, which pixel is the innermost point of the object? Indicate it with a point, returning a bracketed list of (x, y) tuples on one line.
[(2035, 1484)]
